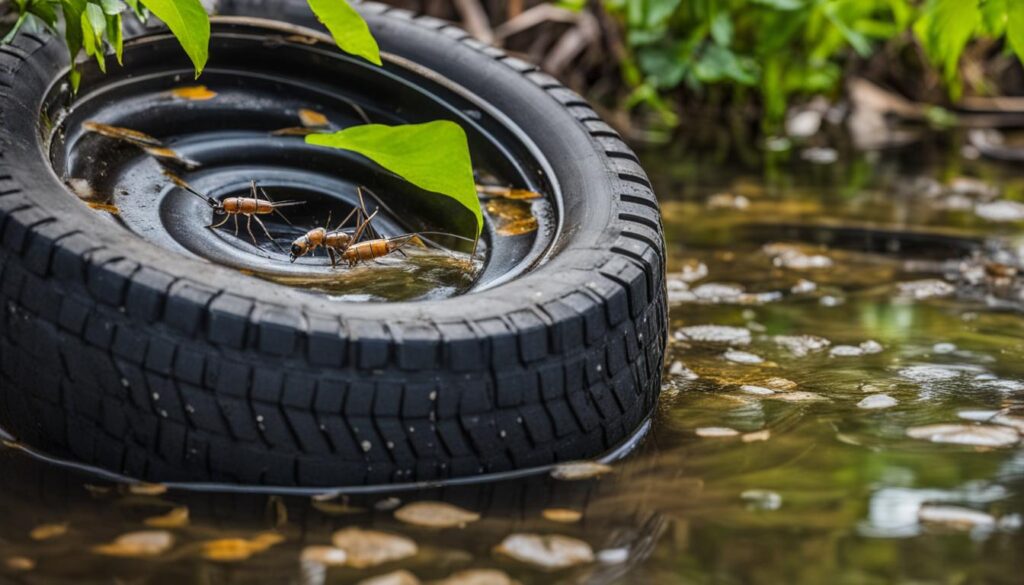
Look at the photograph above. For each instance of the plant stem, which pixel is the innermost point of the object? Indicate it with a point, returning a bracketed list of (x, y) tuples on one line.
[(14, 30)]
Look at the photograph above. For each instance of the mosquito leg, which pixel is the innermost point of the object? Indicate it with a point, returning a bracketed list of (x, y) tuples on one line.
[(334, 257), (226, 218), (236, 225), (248, 226)]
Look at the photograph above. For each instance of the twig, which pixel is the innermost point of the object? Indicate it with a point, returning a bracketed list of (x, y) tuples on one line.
[(572, 43), (533, 17), (475, 19)]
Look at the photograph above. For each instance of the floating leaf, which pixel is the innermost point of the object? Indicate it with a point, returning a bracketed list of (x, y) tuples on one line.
[(400, 577), (294, 131), (876, 401), (563, 515), (478, 577), (147, 543), (577, 470), (976, 435), (176, 518), (369, 548), (350, 31), (189, 22), (433, 156), (435, 515), (507, 192), (313, 119), (756, 436), (327, 556), (549, 552), (19, 563), (194, 93), (955, 517), (48, 531), (171, 155), (239, 549), (513, 218), (147, 489)]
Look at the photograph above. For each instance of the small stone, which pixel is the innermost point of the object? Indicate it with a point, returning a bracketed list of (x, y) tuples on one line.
[(1000, 211), (820, 155), (846, 351), (871, 347), (925, 289), (680, 370), (691, 271), (762, 499), (958, 434), (929, 373), (717, 334), (801, 345), (782, 384), (478, 577), (955, 517), (742, 357), (716, 432), (613, 556), (550, 552), (803, 287), (758, 390), (942, 348), (877, 401), (714, 292)]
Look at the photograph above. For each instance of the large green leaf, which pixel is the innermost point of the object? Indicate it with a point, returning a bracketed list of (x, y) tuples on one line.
[(189, 22), (433, 156), (73, 11), (350, 31), (1015, 26)]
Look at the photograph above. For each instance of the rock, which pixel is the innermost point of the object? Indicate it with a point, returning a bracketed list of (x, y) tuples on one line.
[(369, 548), (757, 390), (435, 515), (960, 434), (846, 351), (718, 334), (876, 401), (925, 289), (1000, 211), (550, 552), (742, 357), (801, 345)]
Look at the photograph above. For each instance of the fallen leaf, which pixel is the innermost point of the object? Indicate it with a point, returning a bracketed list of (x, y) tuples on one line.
[(195, 93), (313, 119), (19, 563), (239, 549), (327, 556), (435, 515), (796, 397), (976, 435), (756, 436), (118, 133), (147, 489), (875, 401), (507, 192), (400, 577), (518, 227), (716, 432), (167, 153), (336, 508), (107, 207), (294, 131), (369, 548), (577, 470), (563, 515), (147, 543), (478, 577), (511, 218), (48, 531), (176, 518), (550, 552)]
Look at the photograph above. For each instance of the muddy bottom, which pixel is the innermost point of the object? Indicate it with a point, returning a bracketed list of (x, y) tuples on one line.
[(843, 403)]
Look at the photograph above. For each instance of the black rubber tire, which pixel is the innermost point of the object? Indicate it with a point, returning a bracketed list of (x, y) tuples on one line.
[(132, 359)]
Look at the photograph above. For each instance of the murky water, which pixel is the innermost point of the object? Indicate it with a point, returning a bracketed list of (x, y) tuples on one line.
[(854, 306)]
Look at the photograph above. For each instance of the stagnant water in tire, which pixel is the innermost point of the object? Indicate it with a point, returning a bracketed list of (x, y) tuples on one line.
[(855, 304)]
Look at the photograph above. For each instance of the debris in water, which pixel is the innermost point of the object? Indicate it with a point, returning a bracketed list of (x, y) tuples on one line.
[(229, 550), (107, 207), (577, 470), (1000, 211), (48, 531), (435, 515), (369, 548), (387, 504), (958, 434), (877, 401), (176, 518), (549, 552), (20, 564), (795, 257), (871, 347), (797, 397), (720, 334), (758, 390), (512, 218), (147, 489), (478, 577), (507, 192), (327, 556), (941, 348), (929, 373), (762, 499), (563, 515), (147, 543), (194, 93), (777, 383), (728, 201), (742, 357), (803, 286), (715, 293), (716, 432), (680, 370), (756, 436), (313, 119), (400, 577), (801, 345), (691, 271), (846, 351), (955, 517), (613, 556), (927, 288), (294, 131), (81, 188), (147, 143)]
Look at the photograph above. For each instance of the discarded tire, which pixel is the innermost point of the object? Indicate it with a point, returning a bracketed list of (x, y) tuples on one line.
[(165, 367)]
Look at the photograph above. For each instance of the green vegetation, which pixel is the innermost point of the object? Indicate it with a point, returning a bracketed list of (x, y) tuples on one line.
[(777, 50)]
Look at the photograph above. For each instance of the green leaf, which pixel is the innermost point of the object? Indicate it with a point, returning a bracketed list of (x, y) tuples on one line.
[(781, 4), (721, 29), (433, 156), (115, 36), (350, 31), (1015, 27), (45, 11), (948, 26), (93, 40), (112, 7), (189, 22), (994, 16), (73, 11), (97, 21)]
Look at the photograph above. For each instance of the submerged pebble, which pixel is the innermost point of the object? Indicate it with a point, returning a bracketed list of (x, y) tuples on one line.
[(846, 351), (942, 348), (955, 517), (549, 552), (877, 401), (716, 432), (925, 289), (757, 390), (929, 373), (721, 334), (797, 397), (369, 548), (959, 434), (1000, 211), (762, 499), (742, 357), (680, 370), (714, 292), (801, 345)]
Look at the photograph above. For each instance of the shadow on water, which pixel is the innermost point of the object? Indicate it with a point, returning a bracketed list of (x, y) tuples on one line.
[(856, 303)]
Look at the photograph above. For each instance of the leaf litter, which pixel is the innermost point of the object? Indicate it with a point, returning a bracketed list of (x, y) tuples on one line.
[(435, 515), (146, 543), (562, 515), (150, 145), (580, 470), (511, 218), (966, 434), (48, 531), (478, 577), (193, 93), (175, 518), (229, 550), (369, 548)]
